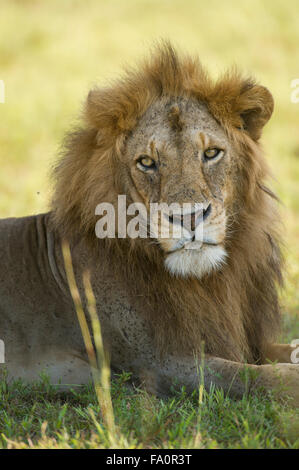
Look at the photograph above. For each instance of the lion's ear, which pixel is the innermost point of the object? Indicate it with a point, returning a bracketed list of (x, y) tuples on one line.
[(99, 109), (254, 105), (109, 109)]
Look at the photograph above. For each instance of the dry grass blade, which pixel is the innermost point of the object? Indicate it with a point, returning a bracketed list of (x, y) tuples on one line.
[(99, 365), (78, 305), (104, 388)]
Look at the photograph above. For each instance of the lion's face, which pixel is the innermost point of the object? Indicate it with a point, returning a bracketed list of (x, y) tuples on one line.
[(200, 148), (179, 154)]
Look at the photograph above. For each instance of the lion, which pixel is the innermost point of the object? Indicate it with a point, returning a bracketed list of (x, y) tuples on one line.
[(163, 133)]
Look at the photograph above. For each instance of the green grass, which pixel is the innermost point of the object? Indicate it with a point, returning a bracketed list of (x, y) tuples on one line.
[(51, 53), (39, 416)]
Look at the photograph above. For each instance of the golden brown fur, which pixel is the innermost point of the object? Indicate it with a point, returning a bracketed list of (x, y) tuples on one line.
[(235, 311)]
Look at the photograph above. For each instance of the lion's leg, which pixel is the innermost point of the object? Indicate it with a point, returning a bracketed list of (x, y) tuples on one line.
[(278, 353), (234, 378), (63, 369)]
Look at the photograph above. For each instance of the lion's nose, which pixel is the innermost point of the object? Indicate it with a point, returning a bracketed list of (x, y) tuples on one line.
[(207, 211), (193, 219), (198, 216)]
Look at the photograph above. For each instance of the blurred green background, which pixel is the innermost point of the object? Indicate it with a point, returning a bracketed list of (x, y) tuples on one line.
[(52, 52)]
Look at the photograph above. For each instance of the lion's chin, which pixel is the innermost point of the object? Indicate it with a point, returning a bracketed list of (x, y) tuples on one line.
[(195, 263)]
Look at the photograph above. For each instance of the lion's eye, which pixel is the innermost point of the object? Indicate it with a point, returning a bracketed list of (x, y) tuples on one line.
[(212, 153), (146, 163)]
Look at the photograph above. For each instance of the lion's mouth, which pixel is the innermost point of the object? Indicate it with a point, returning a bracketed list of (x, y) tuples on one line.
[(193, 245)]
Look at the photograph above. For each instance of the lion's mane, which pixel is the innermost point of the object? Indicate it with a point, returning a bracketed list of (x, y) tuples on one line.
[(234, 311)]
